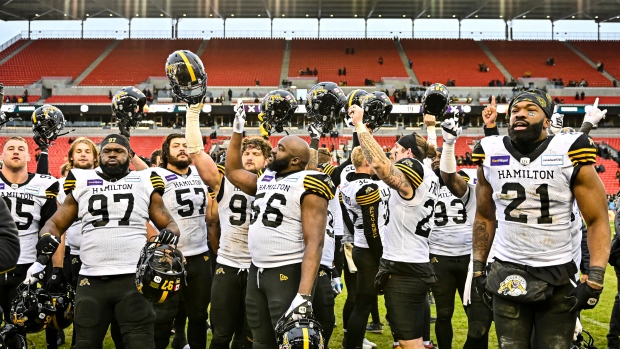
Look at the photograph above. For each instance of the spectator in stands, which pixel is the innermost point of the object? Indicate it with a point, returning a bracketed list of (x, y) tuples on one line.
[(618, 174), (344, 71), (339, 71), (229, 94), (583, 83), (352, 50), (410, 64), (315, 72), (561, 82), (346, 51), (556, 100), (576, 96), (504, 99), (492, 83), (7, 99), (14, 99), (257, 82), (527, 74), (498, 83), (600, 66), (583, 95), (380, 60), (601, 168), (550, 61)]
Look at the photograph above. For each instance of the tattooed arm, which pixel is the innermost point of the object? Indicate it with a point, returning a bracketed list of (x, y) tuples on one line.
[(484, 223), (314, 160)]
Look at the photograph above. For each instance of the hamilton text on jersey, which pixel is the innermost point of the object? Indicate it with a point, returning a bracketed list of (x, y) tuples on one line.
[(274, 186), (529, 174), (110, 187), (13, 194), (186, 183)]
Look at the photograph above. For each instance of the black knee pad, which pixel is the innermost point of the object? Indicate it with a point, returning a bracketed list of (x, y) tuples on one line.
[(476, 329), (445, 313)]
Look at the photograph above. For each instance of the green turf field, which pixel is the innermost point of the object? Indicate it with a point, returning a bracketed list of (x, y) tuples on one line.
[(595, 321)]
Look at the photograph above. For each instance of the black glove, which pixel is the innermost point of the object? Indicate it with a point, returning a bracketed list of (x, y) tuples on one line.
[(479, 283), (167, 237), (124, 129), (47, 245), (41, 142), (586, 297), (1, 89), (57, 282)]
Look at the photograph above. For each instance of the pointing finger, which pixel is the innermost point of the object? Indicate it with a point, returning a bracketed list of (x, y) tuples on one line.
[(595, 105), (493, 101)]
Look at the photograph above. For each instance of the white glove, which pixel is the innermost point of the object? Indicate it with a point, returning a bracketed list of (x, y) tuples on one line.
[(557, 121), (239, 122), (34, 273), (348, 120), (300, 308), (594, 114), (578, 330), (313, 132), (451, 130), (337, 285)]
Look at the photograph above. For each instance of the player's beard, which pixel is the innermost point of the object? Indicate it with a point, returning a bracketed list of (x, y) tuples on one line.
[(279, 165), (115, 171), (527, 136), (180, 164)]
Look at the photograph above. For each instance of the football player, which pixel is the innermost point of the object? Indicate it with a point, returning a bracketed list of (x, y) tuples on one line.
[(187, 200), (366, 202), (533, 272), (9, 240), (286, 232), (405, 270), (114, 205)]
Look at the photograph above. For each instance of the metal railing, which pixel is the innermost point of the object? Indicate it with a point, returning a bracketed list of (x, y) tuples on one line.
[(10, 42)]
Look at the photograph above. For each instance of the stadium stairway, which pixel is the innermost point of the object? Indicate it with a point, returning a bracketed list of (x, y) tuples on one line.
[(588, 60), (14, 49), (495, 61), (96, 62), (602, 51)]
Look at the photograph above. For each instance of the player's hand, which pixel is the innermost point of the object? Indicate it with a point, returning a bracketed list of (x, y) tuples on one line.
[(47, 245), (300, 308), (239, 122), (557, 121), (35, 273), (479, 283), (489, 114), (594, 114), (57, 282), (42, 142), (586, 297), (451, 129), (166, 237), (337, 285), (348, 120), (356, 113), (429, 120), (314, 132)]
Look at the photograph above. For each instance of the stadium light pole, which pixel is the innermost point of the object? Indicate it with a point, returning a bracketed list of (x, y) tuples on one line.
[(552, 30), (366, 28)]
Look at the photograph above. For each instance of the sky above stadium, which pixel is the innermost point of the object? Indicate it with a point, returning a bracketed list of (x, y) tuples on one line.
[(301, 27)]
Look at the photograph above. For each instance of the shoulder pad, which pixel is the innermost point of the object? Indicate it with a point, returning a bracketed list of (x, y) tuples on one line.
[(157, 182), (477, 156), (52, 191), (221, 169), (319, 184), (464, 175), (368, 194), (69, 182), (582, 151), (412, 169)]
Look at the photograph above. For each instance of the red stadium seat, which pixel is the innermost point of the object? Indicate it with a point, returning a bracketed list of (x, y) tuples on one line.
[(14, 46), (78, 99), (327, 56), (602, 51)]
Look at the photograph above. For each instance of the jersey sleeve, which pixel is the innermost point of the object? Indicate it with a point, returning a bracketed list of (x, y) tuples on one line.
[(583, 151), (319, 184), (69, 183), (413, 170), (157, 183), (221, 169), (464, 175), (328, 169), (52, 191), (477, 156), (368, 194)]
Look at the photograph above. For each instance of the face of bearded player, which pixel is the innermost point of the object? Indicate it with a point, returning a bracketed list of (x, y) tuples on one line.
[(178, 155), (527, 122), (114, 160), (83, 157)]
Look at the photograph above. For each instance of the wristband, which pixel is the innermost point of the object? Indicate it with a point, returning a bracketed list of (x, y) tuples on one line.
[(478, 267), (447, 163), (597, 275), (314, 144)]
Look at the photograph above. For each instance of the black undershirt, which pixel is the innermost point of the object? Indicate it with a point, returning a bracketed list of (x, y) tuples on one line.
[(526, 148)]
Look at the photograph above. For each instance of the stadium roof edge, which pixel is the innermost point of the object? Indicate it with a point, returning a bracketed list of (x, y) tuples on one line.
[(598, 10)]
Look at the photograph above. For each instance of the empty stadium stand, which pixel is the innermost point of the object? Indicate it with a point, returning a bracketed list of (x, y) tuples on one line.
[(17, 44), (519, 57), (134, 61), (327, 56), (239, 62), (78, 99), (590, 100), (602, 51), (51, 57), (440, 60)]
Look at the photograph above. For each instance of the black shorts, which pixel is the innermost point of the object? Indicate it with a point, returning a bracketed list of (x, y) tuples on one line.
[(404, 301)]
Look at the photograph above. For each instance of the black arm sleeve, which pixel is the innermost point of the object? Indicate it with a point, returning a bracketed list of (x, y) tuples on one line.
[(43, 164), (493, 131), (345, 217), (47, 211), (585, 252), (369, 199), (338, 171), (9, 240)]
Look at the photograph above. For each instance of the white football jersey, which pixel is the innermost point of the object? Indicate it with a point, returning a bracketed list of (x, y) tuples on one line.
[(533, 196), (329, 245), (235, 210), (360, 191), (186, 199), (275, 235), (411, 221), (452, 235), (26, 202), (73, 235), (114, 216), (347, 235)]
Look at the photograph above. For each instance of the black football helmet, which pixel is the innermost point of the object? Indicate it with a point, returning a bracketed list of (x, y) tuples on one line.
[(33, 308), (128, 106), (323, 105), (377, 108), (160, 273), (277, 108), (65, 307), (11, 339), (299, 334), (187, 76), (47, 122), (435, 100)]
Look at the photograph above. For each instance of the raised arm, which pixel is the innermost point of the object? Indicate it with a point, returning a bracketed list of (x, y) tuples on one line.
[(592, 118), (451, 130), (236, 174), (384, 169), (137, 163), (207, 169)]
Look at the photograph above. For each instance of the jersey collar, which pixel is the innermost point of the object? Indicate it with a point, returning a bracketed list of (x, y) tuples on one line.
[(30, 177), (107, 178), (532, 156)]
